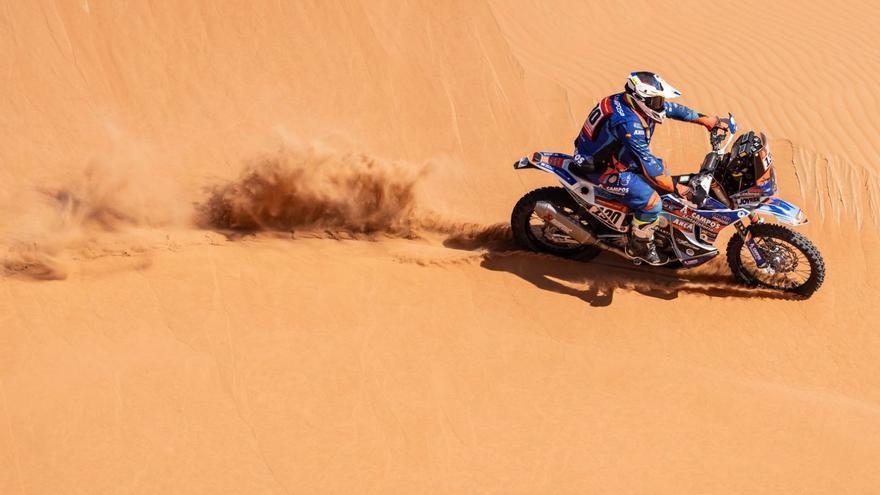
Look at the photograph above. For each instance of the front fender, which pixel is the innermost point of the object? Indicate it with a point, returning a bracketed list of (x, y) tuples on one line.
[(784, 211)]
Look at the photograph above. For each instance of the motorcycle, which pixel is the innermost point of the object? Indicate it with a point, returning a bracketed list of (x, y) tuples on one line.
[(733, 188)]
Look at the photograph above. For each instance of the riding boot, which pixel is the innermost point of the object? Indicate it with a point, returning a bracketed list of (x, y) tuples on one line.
[(641, 241)]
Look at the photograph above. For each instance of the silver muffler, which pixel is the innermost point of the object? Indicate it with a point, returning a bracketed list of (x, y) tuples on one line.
[(549, 214), (561, 221)]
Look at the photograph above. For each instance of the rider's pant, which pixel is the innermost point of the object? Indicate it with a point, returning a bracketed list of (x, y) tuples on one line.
[(632, 190)]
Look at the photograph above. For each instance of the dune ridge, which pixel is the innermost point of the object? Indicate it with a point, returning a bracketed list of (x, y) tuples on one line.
[(839, 189)]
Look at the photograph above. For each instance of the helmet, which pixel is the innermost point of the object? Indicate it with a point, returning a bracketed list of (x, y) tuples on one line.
[(649, 92)]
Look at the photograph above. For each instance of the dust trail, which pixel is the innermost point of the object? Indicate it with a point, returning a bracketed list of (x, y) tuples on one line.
[(111, 206), (117, 204), (324, 192), (308, 188), (470, 236)]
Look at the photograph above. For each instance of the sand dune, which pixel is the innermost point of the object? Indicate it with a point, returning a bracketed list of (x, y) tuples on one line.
[(263, 248)]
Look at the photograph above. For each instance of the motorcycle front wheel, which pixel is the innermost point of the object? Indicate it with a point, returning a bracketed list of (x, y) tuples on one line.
[(794, 264)]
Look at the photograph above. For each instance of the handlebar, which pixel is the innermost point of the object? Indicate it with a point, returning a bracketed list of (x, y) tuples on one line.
[(718, 134), (701, 182)]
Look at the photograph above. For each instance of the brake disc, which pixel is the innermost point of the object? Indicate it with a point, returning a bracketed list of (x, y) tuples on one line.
[(782, 259)]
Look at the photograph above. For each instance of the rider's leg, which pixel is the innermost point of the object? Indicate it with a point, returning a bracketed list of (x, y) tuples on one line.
[(632, 190), (645, 216)]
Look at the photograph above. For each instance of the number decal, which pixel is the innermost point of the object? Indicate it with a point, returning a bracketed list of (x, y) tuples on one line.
[(608, 216), (596, 116)]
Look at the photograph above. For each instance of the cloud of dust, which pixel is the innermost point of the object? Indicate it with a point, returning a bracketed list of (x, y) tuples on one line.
[(311, 188), (119, 202), (103, 208)]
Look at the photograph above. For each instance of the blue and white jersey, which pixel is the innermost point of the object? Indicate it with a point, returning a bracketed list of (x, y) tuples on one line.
[(615, 134)]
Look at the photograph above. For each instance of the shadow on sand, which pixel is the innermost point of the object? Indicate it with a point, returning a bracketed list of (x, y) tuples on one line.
[(596, 281)]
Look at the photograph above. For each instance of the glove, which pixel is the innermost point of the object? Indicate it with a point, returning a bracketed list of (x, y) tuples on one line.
[(684, 191), (712, 123), (722, 123)]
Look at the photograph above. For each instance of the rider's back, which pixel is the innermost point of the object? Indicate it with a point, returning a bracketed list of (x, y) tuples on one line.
[(611, 122)]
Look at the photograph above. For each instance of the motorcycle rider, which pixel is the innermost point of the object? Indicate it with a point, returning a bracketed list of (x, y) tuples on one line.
[(612, 150)]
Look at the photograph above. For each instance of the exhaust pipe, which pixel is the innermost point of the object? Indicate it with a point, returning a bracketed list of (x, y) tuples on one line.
[(550, 214)]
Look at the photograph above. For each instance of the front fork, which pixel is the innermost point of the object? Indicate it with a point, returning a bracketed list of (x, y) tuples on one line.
[(742, 229), (750, 242)]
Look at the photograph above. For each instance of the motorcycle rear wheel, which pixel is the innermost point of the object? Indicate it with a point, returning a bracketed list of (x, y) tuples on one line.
[(795, 264), (532, 233)]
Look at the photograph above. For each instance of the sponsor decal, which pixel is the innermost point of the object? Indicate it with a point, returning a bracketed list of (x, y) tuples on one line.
[(622, 190), (557, 161), (721, 219), (612, 179), (756, 253), (684, 224), (751, 193), (704, 222), (686, 213), (708, 238), (749, 200)]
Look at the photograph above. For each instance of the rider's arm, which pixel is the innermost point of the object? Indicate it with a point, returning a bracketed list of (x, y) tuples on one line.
[(632, 135), (677, 111)]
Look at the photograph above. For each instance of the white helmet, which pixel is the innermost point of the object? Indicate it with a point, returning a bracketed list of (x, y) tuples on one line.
[(649, 91)]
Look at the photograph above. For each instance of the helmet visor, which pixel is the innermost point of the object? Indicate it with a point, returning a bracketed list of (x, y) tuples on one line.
[(655, 103)]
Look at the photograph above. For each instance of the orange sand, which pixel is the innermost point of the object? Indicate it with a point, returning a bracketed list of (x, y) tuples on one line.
[(392, 343)]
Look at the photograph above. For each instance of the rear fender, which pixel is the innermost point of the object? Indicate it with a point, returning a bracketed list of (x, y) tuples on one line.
[(523, 164), (559, 171), (784, 211)]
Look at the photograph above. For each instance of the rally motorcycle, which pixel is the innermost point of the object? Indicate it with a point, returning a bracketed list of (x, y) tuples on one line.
[(580, 220)]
